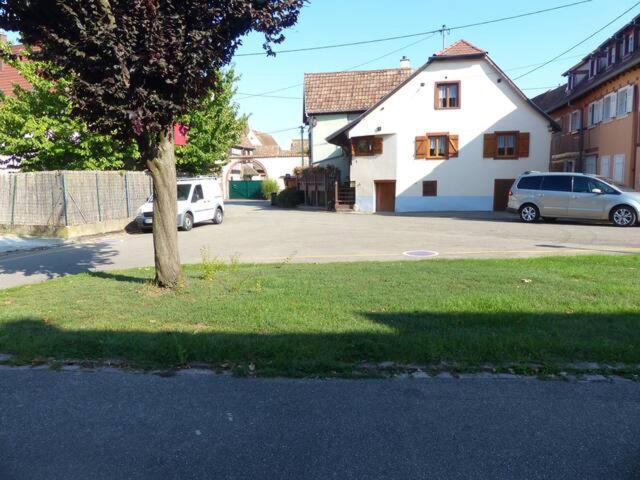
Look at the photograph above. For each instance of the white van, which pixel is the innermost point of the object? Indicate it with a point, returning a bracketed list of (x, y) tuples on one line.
[(199, 200)]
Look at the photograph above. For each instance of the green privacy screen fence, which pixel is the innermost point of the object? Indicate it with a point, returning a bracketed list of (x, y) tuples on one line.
[(245, 189)]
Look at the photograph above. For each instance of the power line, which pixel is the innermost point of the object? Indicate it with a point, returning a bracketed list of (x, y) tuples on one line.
[(579, 43), (399, 37), (268, 96), (283, 130)]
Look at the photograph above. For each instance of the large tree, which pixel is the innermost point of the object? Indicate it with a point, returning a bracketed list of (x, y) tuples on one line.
[(138, 65), (38, 130), (213, 128)]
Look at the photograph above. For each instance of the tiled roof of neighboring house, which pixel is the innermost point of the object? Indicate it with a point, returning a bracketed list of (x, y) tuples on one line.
[(353, 91), (461, 47), (550, 98), (9, 76), (560, 96)]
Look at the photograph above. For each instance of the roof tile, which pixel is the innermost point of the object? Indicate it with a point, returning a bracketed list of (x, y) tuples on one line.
[(461, 47)]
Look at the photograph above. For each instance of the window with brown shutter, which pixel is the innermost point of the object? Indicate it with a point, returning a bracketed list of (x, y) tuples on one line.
[(436, 146), (506, 145), (366, 146), (430, 188), (447, 95)]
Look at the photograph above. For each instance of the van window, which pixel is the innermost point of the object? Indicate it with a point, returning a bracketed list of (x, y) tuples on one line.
[(183, 191), (530, 183), (197, 194), (557, 183), (586, 185)]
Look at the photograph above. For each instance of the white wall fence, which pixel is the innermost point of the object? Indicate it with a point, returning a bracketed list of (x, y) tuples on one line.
[(67, 198)]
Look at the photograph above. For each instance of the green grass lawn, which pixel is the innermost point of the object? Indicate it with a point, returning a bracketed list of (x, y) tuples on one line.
[(297, 319)]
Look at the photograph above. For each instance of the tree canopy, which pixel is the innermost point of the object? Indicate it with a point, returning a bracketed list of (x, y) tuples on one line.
[(38, 130), (214, 126)]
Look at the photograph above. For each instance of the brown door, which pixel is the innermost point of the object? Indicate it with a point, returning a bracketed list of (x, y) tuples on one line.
[(501, 194), (385, 195)]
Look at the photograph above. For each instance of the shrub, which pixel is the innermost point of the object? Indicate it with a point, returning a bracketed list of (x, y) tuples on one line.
[(269, 186), (289, 198)]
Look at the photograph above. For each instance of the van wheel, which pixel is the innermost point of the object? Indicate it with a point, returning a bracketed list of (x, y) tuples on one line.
[(623, 216), (218, 217), (529, 213), (187, 223)]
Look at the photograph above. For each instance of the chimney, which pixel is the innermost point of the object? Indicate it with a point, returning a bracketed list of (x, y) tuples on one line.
[(404, 62)]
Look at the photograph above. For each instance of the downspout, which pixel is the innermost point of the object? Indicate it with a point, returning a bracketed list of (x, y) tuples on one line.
[(634, 139)]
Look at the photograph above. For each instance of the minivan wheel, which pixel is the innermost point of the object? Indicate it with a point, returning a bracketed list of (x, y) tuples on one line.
[(529, 213), (187, 223), (218, 217), (623, 216)]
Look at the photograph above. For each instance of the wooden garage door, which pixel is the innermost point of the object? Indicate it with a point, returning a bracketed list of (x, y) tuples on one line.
[(385, 195), (501, 193)]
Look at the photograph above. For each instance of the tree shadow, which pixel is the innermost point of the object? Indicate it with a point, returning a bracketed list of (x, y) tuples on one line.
[(471, 338), (118, 277), (55, 262)]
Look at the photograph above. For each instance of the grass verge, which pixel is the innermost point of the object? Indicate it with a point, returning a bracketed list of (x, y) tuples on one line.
[(305, 319)]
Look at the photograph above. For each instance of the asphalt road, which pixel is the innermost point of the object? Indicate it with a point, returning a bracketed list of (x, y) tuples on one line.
[(113, 425), (255, 232)]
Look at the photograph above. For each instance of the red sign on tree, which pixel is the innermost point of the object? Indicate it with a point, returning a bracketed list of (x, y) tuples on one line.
[(180, 134)]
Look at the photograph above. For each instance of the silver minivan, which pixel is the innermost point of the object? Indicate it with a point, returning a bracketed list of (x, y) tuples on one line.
[(536, 195)]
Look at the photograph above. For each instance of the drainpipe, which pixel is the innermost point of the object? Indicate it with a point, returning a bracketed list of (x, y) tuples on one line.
[(634, 139)]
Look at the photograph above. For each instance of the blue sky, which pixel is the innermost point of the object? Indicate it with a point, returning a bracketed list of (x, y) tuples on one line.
[(515, 45), (512, 44)]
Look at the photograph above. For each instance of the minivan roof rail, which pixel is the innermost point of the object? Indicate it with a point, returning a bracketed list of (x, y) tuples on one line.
[(197, 177)]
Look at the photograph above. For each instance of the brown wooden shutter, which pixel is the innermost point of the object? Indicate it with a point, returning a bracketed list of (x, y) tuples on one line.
[(422, 147), (489, 150), (353, 147), (377, 146), (453, 145), (523, 144)]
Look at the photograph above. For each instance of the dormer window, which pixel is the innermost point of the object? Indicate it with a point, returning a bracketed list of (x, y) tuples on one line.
[(629, 43), (571, 81)]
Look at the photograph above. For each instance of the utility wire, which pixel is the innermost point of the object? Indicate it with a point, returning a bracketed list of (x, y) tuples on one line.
[(387, 39), (579, 43)]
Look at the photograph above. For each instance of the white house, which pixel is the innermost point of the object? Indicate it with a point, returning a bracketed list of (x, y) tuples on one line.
[(452, 136)]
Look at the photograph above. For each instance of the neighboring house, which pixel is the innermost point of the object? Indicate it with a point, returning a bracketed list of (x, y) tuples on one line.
[(332, 100), (256, 158), (452, 136), (598, 111)]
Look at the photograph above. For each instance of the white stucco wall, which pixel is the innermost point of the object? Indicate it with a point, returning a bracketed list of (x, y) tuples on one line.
[(465, 182)]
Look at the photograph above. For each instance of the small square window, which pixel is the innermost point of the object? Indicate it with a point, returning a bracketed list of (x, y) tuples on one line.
[(447, 95), (505, 145), (430, 188), (437, 146)]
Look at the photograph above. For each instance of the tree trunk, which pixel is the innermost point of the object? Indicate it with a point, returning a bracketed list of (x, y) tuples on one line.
[(162, 165)]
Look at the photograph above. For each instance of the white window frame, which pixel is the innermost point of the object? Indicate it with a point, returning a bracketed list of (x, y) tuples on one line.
[(628, 106), (618, 161), (613, 103), (575, 114), (591, 114), (605, 160), (599, 110)]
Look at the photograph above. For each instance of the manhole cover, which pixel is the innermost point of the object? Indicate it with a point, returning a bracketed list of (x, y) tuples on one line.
[(420, 253)]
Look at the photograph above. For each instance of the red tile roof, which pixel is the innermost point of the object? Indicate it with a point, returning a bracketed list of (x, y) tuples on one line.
[(9, 76), (353, 91), (461, 47)]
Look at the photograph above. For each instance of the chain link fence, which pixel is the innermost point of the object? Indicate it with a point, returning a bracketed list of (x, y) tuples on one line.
[(69, 198)]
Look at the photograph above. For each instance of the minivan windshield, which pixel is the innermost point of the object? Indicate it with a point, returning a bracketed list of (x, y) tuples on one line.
[(618, 185), (183, 191)]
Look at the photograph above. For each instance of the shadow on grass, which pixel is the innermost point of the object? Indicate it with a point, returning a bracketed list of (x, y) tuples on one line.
[(118, 277), (409, 337)]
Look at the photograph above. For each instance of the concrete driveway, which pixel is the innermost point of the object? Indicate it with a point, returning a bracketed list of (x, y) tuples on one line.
[(256, 232)]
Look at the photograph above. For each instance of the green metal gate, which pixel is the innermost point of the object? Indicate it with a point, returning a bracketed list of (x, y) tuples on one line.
[(245, 189)]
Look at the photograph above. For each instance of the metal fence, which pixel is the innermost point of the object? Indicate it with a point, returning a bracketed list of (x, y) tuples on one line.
[(71, 198)]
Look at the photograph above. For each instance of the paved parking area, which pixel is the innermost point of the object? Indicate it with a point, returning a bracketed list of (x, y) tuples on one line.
[(256, 232)]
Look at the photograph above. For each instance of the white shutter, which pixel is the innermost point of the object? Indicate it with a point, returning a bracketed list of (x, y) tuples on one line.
[(590, 164), (598, 114), (618, 168), (630, 90), (614, 104), (605, 166)]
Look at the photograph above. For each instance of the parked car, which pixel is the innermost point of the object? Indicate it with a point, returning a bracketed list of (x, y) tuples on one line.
[(199, 200), (536, 195)]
